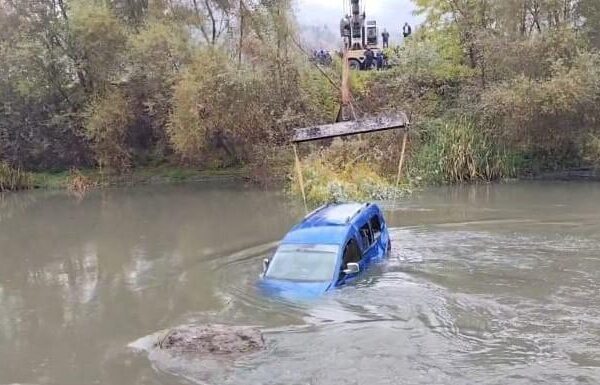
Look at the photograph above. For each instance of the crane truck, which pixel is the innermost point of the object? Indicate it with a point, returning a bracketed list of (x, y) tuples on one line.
[(358, 35)]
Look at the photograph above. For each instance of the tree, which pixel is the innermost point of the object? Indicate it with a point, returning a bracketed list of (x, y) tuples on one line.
[(120, 83), (132, 11), (107, 124), (590, 11), (99, 41)]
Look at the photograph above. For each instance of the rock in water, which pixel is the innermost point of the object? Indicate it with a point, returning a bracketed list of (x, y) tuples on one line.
[(202, 354), (212, 340)]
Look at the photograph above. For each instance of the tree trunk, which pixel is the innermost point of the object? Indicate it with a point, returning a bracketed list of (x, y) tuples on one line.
[(241, 42), (213, 22), (199, 16), (523, 27)]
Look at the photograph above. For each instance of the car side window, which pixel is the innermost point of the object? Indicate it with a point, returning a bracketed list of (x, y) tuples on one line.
[(367, 236), (376, 226), (351, 253)]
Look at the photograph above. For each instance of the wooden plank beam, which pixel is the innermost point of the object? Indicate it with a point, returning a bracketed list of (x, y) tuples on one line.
[(355, 127)]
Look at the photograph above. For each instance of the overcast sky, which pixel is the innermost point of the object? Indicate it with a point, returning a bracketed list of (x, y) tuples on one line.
[(390, 14)]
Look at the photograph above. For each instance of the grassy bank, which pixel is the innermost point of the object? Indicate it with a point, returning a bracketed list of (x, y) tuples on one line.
[(140, 176), (346, 170), (460, 151)]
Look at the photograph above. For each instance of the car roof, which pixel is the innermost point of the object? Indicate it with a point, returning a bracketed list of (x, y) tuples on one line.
[(332, 215), (327, 225), (328, 235)]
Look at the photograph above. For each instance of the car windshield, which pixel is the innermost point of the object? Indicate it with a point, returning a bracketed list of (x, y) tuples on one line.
[(313, 263)]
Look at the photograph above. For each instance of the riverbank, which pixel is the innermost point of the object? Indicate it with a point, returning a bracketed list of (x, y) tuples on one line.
[(62, 180), (570, 175)]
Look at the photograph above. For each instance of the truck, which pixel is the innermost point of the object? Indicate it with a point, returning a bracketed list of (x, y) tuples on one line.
[(358, 34)]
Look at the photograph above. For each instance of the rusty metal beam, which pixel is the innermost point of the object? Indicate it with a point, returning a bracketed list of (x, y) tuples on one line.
[(355, 127)]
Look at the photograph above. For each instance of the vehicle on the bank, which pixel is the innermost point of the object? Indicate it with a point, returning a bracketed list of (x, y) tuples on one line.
[(329, 248)]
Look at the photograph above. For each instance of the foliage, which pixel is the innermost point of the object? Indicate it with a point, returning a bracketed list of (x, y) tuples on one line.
[(590, 10), (79, 184), (99, 39), (459, 151), (433, 58), (159, 49), (186, 129), (106, 126), (522, 72), (221, 111), (63, 62), (215, 105), (14, 179), (356, 183), (330, 175), (320, 96), (548, 117), (591, 150), (215, 83)]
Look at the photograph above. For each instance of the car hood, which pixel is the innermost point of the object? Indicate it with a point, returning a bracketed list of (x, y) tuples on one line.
[(293, 289)]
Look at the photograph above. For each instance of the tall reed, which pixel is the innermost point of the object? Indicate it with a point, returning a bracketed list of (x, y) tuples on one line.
[(12, 179), (460, 151)]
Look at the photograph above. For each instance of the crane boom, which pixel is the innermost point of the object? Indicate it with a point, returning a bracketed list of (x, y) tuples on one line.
[(358, 34), (355, 6)]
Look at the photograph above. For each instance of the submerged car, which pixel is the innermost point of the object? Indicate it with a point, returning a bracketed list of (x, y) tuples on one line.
[(329, 248)]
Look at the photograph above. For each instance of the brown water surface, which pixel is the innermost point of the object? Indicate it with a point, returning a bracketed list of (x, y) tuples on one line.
[(487, 284)]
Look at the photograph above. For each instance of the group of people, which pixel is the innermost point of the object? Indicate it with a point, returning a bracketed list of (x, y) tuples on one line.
[(322, 57), (406, 32), (377, 59), (372, 59)]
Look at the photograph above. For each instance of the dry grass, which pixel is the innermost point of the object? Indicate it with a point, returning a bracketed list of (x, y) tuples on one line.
[(460, 152), (338, 174), (79, 184), (12, 179)]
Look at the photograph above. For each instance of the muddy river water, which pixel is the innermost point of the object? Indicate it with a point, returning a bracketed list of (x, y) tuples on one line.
[(485, 285)]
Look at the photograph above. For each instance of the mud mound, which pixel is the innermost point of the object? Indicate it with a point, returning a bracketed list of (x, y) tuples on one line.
[(212, 340)]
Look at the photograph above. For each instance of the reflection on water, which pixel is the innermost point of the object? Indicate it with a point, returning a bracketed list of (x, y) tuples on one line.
[(493, 284)]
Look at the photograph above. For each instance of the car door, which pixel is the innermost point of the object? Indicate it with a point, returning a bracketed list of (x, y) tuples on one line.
[(370, 249), (352, 254), (380, 235)]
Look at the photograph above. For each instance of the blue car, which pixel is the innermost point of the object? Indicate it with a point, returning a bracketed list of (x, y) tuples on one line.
[(329, 248)]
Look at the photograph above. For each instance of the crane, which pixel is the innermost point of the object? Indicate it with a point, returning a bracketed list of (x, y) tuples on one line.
[(358, 35)]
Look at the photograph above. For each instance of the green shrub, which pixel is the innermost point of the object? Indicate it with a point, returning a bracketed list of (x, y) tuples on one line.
[(106, 125), (221, 111), (185, 129), (100, 38), (460, 151), (434, 58), (159, 49), (214, 105), (320, 95), (591, 150), (340, 174), (547, 118)]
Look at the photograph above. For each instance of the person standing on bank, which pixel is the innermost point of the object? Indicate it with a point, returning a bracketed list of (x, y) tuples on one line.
[(379, 59), (406, 30), (369, 58), (386, 38)]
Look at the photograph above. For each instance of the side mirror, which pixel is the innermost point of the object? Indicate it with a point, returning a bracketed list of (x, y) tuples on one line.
[(265, 265), (352, 268)]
